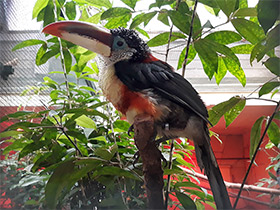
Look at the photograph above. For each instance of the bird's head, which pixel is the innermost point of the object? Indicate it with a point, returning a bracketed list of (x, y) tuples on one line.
[(116, 45)]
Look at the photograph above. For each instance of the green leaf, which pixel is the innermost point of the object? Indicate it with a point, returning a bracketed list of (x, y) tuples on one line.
[(30, 148), (246, 12), (115, 171), (94, 19), (67, 60), (255, 135), (187, 184), (243, 4), (191, 56), (143, 17), (232, 114), (39, 5), (121, 125), (42, 50), (130, 3), (85, 122), (15, 146), (163, 38), (221, 72), (49, 16), (120, 21), (277, 115), (106, 153), (227, 6), (99, 3), (273, 64), (266, 45), (272, 176), (70, 8), (268, 12), (208, 56), (185, 200), (85, 57), (61, 181), (273, 133), (242, 49), (6, 134), (16, 115), (248, 29), (224, 37), (236, 70), (143, 32), (48, 81), (49, 54), (268, 87), (115, 12), (182, 162), (182, 22), (216, 112), (223, 49), (28, 43), (163, 17)]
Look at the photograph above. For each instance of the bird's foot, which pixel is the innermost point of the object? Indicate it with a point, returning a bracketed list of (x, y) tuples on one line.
[(136, 157), (164, 160), (130, 129), (161, 140)]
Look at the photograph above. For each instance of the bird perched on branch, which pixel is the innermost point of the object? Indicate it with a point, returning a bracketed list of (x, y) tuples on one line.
[(136, 82)]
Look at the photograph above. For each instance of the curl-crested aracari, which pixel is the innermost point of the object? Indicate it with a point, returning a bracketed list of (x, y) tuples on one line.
[(136, 83)]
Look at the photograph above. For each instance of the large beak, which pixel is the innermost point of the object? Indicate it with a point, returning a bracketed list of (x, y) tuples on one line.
[(83, 34)]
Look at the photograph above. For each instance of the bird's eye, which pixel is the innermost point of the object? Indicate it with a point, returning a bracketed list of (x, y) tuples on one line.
[(120, 43)]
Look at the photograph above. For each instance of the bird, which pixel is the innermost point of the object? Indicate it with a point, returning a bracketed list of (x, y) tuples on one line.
[(136, 82)]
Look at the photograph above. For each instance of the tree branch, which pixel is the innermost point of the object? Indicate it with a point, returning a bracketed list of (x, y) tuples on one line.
[(189, 39), (144, 135), (232, 185), (255, 154)]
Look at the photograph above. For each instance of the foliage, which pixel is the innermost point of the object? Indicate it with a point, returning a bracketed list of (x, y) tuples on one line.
[(79, 143)]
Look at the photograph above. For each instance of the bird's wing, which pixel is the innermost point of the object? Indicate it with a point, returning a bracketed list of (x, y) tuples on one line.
[(159, 77)]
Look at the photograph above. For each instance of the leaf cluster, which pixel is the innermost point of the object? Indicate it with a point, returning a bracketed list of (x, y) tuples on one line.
[(77, 150)]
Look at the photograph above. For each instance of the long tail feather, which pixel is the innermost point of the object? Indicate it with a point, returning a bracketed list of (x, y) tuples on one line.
[(207, 161)]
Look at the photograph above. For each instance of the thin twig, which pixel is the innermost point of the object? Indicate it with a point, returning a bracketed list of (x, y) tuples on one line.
[(232, 185), (169, 175), (215, 27), (62, 129), (168, 44), (172, 141), (262, 99), (123, 191), (255, 154), (189, 39), (260, 87), (62, 59)]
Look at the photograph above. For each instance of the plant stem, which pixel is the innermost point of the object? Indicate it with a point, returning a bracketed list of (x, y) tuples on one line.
[(62, 59), (255, 154), (169, 175), (168, 44), (189, 39), (260, 87), (262, 99)]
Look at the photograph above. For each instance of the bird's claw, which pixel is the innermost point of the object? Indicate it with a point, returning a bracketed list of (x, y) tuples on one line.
[(164, 160), (158, 141), (130, 129), (136, 158)]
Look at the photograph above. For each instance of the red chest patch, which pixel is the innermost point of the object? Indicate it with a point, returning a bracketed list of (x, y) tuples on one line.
[(131, 100)]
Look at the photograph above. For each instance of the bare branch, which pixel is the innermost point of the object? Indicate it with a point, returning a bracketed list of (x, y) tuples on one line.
[(232, 185), (255, 154), (189, 39)]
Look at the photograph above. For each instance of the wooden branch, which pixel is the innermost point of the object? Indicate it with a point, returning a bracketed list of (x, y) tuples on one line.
[(234, 195), (144, 135), (238, 185)]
